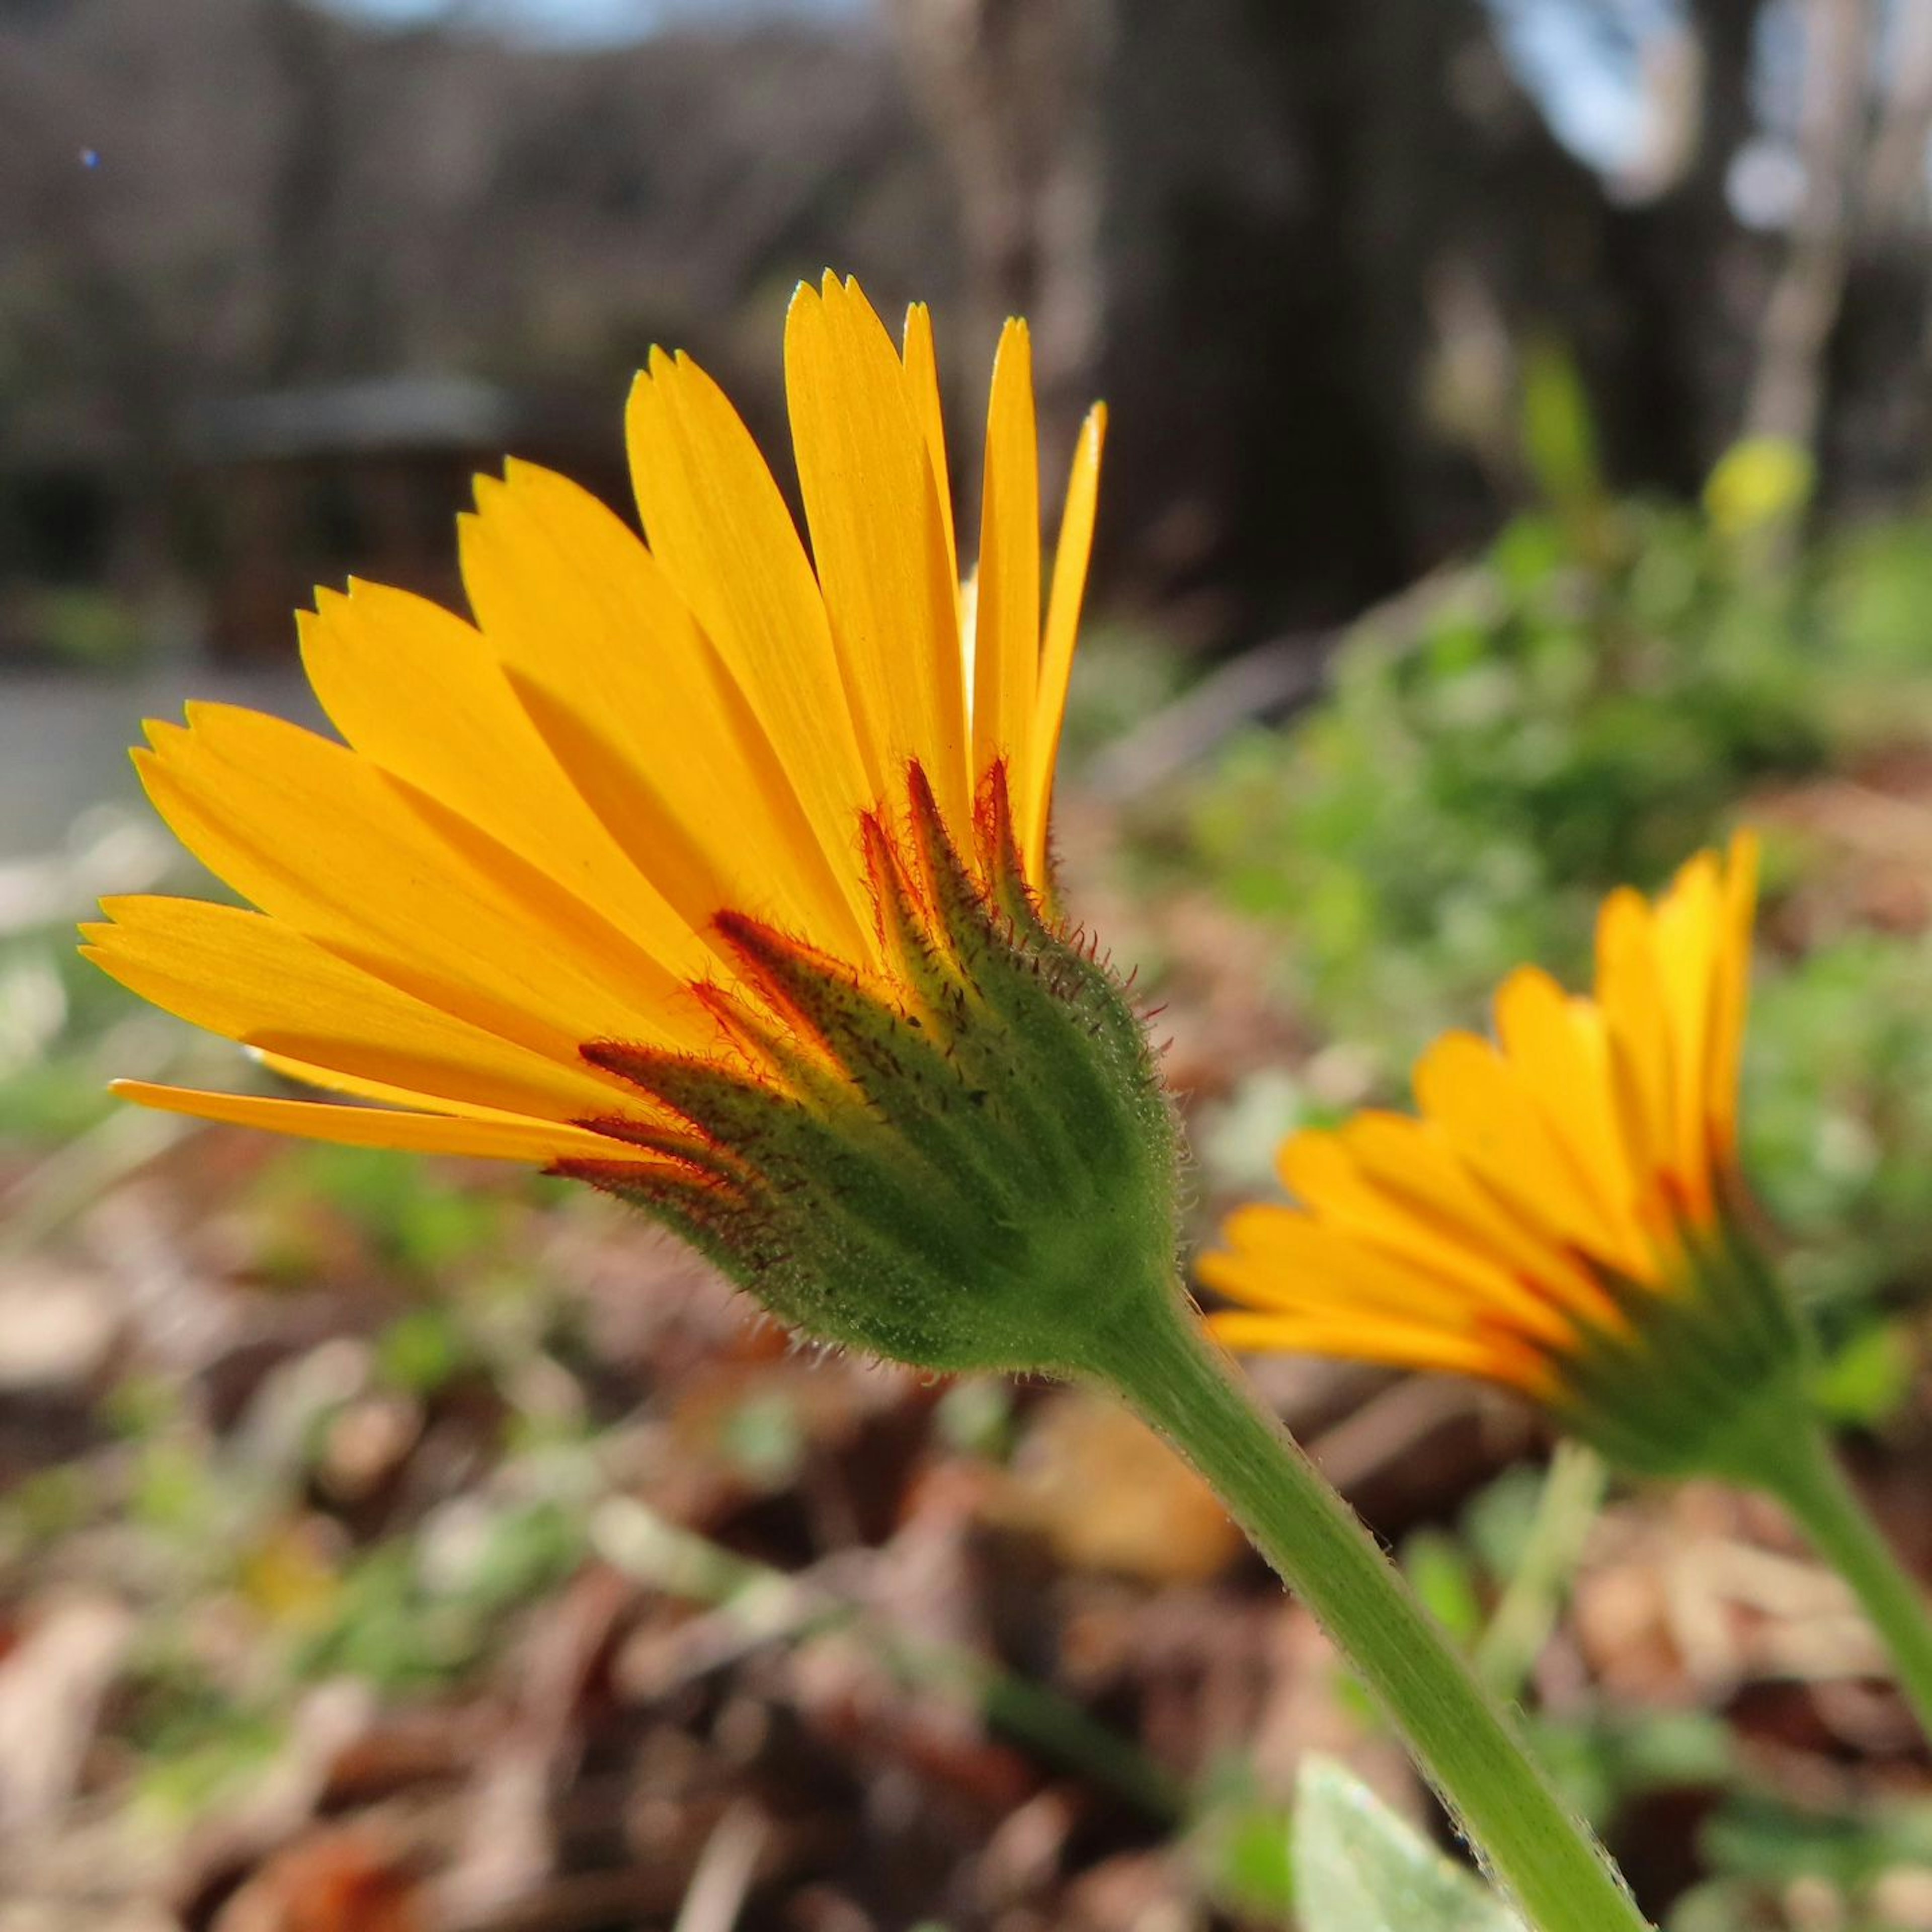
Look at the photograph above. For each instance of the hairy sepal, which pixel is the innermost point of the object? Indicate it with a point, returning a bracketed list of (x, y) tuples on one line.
[(1701, 1367), (971, 1165)]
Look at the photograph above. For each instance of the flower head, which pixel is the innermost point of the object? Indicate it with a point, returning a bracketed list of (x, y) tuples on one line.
[(706, 868), (1565, 1217)]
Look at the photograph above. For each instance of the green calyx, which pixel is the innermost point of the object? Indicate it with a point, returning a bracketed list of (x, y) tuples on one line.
[(1711, 1369), (1713, 1379), (972, 1165)]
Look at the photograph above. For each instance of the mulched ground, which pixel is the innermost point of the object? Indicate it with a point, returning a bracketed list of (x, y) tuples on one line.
[(771, 1639)]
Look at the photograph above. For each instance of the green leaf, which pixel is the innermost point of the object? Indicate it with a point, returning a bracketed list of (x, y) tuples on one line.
[(1359, 1868), (1440, 1573), (1865, 1382)]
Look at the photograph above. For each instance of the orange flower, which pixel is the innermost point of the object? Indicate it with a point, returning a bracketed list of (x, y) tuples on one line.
[(1562, 1218), (705, 869), (538, 811)]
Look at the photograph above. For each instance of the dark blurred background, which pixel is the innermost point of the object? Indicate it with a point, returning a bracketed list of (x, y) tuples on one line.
[(1517, 476), (278, 275)]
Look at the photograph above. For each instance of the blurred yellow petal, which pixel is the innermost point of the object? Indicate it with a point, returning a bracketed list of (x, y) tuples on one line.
[(1564, 1067), (1394, 1344), (1689, 938), (1630, 995), (1322, 1170), (1552, 1218), (1409, 1163), (1302, 1265), (1502, 1133)]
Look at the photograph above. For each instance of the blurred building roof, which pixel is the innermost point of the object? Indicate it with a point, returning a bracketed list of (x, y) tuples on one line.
[(380, 414)]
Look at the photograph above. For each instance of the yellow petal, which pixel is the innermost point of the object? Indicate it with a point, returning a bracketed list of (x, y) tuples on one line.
[(244, 975), (382, 877), (1690, 937), (596, 644), (1502, 1133), (1562, 1065), (1394, 1344), (1299, 1263), (720, 531), (1630, 994), (878, 541), (1409, 1230), (921, 368), (1070, 558), (421, 693), (1006, 656), (542, 1142), (1303, 1289), (1414, 1165)]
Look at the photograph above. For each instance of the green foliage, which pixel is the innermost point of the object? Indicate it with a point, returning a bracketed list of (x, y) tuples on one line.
[(1604, 692), (1441, 1571), (975, 1418), (1837, 1122), (1535, 729), (87, 628), (1253, 1868), (1863, 1383), (1240, 1842), (1756, 1846), (404, 1621), (1359, 1868), (404, 1207), (57, 1012), (423, 1350), (1602, 1759), (1559, 441), (763, 1439), (196, 1745), (1775, 1842)]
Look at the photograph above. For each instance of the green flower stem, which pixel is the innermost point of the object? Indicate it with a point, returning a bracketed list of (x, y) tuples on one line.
[(1795, 1464), (1178, 1380)]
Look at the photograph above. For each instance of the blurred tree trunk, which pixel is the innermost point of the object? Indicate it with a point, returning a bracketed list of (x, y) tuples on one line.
[(1156, 188), (1788, 386), (1877, 424), (1297, 244), (1687, 282)]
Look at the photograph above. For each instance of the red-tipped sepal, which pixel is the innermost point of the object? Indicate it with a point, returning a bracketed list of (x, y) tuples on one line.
[(968, 1163)]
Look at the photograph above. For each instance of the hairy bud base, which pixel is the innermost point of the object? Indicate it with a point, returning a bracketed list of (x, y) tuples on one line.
[(971, 1164), (1686, 1383)]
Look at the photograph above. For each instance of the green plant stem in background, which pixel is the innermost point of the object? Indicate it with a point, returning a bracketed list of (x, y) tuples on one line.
[(1572, 1492), (1794, 1462), (1535, 1847)]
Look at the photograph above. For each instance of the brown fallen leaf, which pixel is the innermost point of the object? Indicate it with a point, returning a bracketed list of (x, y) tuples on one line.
[(1104, 1492), (349, 1880)]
